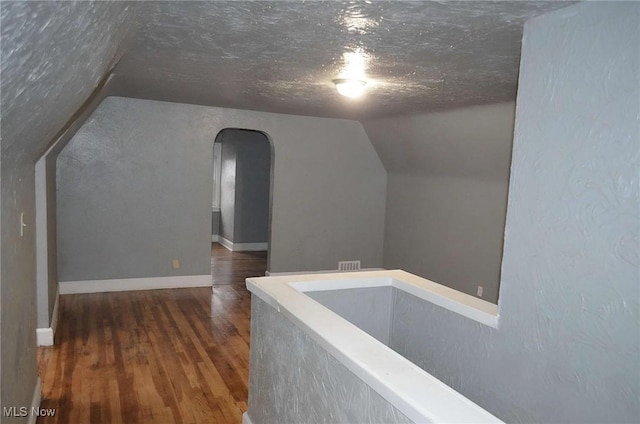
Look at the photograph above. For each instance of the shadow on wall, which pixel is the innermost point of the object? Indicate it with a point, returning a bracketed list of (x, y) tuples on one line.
[(242, 180)]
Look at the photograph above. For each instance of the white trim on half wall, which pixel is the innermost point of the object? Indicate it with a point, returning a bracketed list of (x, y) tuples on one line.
[(127, 284), (326, 271)]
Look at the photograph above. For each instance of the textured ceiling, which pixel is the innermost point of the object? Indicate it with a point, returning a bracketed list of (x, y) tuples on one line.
[(281, 56)]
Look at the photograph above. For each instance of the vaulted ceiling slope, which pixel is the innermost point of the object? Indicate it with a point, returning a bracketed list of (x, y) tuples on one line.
[(277, 56), (53, 56), (473, 142)]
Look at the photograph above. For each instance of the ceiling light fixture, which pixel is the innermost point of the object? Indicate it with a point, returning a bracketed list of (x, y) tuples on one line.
[(352, 88)]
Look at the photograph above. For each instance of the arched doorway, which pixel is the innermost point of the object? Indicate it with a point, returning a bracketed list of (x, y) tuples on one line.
[(241, 204)]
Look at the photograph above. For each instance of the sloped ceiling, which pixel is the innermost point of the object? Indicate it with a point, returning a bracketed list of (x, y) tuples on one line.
[(260, 55), (281, 56), (53, 56), (474, 142)]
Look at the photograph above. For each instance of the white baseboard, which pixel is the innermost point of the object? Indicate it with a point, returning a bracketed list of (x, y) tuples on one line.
[(127, 284), (35, 402), (242, 247), (250, 247), (226, 243), (215, 238), (246, 419), (328, 271), (46, 336)]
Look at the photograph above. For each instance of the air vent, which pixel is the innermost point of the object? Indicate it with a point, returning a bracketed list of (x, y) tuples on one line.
[(348, 265)]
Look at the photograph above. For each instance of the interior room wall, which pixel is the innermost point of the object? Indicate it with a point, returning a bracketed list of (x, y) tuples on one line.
[(245, 186), (215, 212), (228, 188), (46, 220), (252, 185), (215, 224), (567, 346), (134, 185), (448, 174)]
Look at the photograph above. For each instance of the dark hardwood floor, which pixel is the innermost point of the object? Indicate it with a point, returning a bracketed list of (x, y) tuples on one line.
[(234, 267), (155, 356)]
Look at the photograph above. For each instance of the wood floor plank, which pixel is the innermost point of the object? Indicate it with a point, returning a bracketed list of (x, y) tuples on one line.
[(156, 356)]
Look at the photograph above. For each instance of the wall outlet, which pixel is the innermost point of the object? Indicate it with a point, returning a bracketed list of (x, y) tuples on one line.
[(480, 290), (176, 264)]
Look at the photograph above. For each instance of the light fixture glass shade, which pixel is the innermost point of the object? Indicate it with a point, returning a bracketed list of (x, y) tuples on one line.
[(350, 87)]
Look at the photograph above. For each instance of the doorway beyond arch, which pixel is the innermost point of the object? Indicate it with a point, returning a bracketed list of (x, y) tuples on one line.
[(242, 190)]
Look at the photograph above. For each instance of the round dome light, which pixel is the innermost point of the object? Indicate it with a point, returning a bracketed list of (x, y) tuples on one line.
[(350, 87)]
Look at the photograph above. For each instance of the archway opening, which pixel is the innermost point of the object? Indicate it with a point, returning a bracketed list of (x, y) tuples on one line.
[(241, 205)]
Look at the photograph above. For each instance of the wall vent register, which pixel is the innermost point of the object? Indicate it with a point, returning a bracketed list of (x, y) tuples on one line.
[(348, 265)]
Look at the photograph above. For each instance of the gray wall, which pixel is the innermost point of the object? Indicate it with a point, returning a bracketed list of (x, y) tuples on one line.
[(134, 186), (245, 185), (228, 189), (447, 193), (568, 347), (53, 56), (449, 230), (46, 249), (215, 222), (46, 199), (368, 308), (253, 180), (126, 197), (293, 380)]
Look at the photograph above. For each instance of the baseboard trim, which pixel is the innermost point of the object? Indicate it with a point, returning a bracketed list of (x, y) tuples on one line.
[(215, 238), (242, 247), (250, 247), (35, 402), (327, 271), (246, 419), (225, 242), (46, 336), (128, 284)]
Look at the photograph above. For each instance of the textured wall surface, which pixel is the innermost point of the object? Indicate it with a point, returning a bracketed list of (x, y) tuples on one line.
[(368, 308), (447, 193), (293, 380), (215, 223), (47, 269), (228, 189), (53, 55), (135, 185), (449, 230), (253, 187), (568, 346), (126, 193)]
